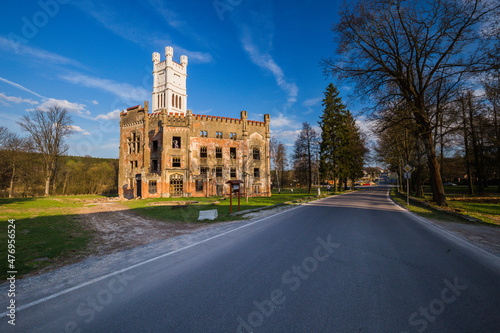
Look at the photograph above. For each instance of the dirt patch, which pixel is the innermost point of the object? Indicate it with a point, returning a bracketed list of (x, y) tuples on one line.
[(119, 228), (483, 236), (172, 203)]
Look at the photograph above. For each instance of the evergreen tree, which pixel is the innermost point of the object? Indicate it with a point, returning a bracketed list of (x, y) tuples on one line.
[(342, 147)]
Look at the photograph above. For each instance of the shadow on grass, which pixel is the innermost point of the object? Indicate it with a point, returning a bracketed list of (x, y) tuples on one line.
[(8, 201), (43, 241)]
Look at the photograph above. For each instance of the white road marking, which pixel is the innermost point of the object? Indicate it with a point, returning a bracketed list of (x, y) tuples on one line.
[(62, 292)]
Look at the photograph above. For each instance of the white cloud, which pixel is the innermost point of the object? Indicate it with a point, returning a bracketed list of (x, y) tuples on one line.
[(125, 91), (79, 129), (287, 137), (18, 86), (46, 56), (62, 103), (112, 20), (309, 103), (16, 100), (266, 61), (95, 102), (112, 115), (312, 101), (284, 121)]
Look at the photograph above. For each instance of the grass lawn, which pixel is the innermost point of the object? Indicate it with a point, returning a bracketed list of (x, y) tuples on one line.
[(46, 232), (485, 209), (461, 191), (190, 213), (424, 211)]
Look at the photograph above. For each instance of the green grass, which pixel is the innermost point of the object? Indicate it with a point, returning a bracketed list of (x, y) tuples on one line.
[(487, 212), (190, 213), (49, 239), (45, 229), (424, 211), (462, 190), (47, 234)]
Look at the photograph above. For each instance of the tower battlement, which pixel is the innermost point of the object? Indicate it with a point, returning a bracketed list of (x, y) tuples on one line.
[(169, 83)]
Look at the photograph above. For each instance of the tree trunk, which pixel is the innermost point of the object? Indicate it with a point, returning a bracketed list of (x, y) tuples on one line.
[(418, 174), (309, 165), (65, 184), (438, 195), (466, 146), (47, 186), (11, 188), (475, 148)]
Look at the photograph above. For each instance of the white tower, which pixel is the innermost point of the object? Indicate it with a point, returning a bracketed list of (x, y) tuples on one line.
[(169, 83)]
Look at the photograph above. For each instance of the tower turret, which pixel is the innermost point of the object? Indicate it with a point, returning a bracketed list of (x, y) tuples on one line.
[(169, 83)]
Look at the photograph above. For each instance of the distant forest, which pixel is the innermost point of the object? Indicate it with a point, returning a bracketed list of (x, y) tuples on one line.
[(73, 175)]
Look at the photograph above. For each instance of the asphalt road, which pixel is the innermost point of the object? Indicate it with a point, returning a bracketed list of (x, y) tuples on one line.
[(352, 263)]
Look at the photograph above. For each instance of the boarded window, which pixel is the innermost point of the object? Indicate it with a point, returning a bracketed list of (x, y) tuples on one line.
[(218, 172), (203, 152), (204, 171), (232, 153), (176, 142), (256, 173), (233, 173), (199, 185), (152, 187), (256, 154), (176, 162), (218, 152)]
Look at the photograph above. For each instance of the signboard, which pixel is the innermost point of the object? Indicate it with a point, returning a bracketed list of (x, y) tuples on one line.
[(407, 175), (407, 168)]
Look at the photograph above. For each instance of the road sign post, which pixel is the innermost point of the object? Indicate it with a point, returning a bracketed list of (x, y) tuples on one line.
[(407, 168)]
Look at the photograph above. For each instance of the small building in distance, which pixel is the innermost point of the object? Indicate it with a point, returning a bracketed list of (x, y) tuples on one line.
[(171, 152)]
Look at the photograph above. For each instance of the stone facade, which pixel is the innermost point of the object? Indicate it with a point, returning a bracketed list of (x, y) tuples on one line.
[(171, 152)]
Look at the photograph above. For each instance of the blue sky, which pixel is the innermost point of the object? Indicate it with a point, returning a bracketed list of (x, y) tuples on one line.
[(94, 58)]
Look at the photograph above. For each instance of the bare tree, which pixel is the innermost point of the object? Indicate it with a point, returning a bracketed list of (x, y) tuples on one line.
[(306, 145), (277, 151), (404, 49), (47, 129)]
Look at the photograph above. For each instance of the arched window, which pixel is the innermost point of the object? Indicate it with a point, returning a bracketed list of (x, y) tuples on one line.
[(173, 100), (176, 101), (180, 102)]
